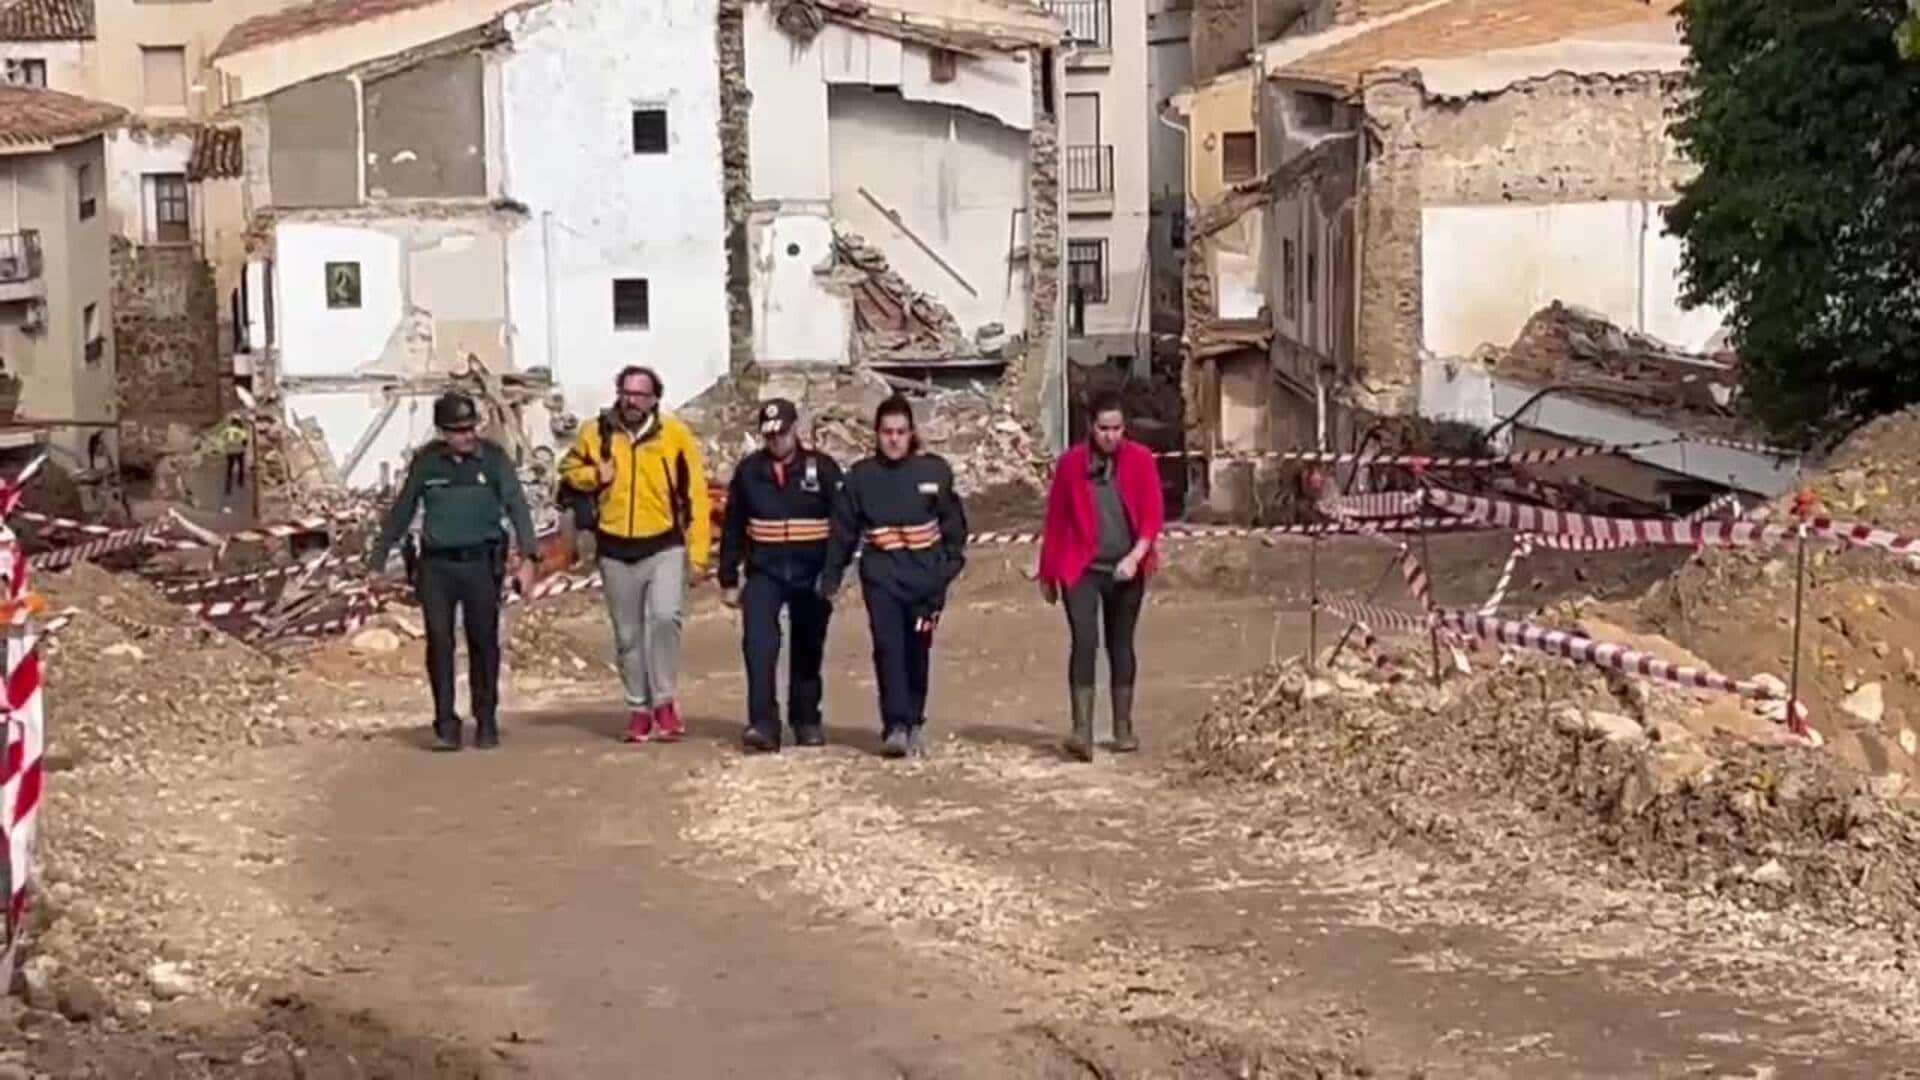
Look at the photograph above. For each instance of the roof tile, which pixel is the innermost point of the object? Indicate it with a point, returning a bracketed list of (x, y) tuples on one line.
[(311, 18), (30, 115), (46, 20), (1459, 28), (218, 154)]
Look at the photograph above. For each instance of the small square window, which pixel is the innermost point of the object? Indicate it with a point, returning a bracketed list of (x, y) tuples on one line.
[(96, 342), (27, 71), (343, 286), (631, 308), (649, 131)]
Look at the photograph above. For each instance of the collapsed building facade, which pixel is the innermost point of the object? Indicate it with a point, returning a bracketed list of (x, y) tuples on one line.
[(1393, 187), (550, 192)]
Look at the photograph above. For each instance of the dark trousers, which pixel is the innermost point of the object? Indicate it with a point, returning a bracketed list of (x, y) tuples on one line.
[(761, 599), (901, 658), (469, 584), (236, 472), (1098, 602)]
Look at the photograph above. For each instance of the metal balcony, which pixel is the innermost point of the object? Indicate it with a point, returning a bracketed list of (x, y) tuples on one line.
[(19, 257), (1089, 22), (1090, 170)]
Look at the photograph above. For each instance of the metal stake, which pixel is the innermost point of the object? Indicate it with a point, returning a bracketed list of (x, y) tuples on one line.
[(1433, 628), (1799, 601), (1340, 645)]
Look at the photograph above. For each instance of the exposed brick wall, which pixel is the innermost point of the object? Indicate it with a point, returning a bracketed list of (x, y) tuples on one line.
[(166, 333), (735, 99), (1560, 139)]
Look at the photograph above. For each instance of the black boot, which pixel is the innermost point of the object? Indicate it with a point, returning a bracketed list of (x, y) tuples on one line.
[(757, 741), (1123, 739), (486, 735), (1080, 743), (809, 735), (446, 737)]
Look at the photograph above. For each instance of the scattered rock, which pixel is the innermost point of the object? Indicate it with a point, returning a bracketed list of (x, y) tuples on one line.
[(81, 1001), (169, 981), (1866, 705), (377, 639), (1604, 725), (1772, 875)]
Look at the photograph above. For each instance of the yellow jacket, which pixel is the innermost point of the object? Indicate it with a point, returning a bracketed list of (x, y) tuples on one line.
[(659, 486)]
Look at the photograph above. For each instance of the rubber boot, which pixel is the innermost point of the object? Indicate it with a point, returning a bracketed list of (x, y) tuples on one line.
[(1080, 743), (1123, 739)]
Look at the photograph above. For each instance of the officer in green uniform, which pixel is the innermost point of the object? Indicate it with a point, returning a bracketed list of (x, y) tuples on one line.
[(464, 485)]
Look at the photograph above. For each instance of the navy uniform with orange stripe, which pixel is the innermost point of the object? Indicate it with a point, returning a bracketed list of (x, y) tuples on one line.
[(777, 522), (905, 520)]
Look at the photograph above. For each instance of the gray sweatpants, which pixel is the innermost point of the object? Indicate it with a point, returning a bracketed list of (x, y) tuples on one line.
[(645, 600)]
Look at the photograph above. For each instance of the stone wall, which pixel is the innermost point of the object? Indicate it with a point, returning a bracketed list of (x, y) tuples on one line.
[(1032, 382), (735, 101), (1559, 139), (166, 333)]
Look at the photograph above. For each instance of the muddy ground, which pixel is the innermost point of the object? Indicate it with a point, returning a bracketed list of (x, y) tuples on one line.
[(569, 906)]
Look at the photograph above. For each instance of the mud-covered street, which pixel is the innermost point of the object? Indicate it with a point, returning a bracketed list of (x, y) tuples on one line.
[(571, 906)]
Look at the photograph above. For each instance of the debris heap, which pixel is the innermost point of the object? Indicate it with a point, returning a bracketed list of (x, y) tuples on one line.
[(1535, 764), (996, 462)]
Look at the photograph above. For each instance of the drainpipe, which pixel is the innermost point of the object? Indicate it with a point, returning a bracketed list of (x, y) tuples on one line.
[(1359, 234), (546, 265)]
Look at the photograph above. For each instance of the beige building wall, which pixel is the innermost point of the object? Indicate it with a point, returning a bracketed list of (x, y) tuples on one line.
[(1104, 127), (67, 364)]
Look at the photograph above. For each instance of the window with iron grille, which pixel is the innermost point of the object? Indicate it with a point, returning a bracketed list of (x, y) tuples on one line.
[(1239, 156), (1087, 269)]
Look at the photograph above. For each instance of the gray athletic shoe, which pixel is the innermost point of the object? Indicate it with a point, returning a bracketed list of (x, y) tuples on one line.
[(897, 744)]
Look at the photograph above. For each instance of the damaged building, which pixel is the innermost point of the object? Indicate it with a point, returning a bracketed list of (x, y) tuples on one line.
[(905, 208), (532, 190), (1395, 185)]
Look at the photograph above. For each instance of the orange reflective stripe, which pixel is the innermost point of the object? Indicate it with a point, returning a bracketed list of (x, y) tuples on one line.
[(904, 537), (792, 531)]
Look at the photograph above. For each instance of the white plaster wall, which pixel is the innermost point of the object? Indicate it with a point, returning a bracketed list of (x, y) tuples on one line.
[(316, 340), (796, 319), (344, 417), (1125, 107), (1486, 269), (787, 126), (576, 71), (130, 156), (954, 178), (69, 63)]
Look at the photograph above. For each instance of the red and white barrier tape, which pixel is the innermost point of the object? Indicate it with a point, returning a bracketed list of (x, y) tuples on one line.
[(1522, 547), (1378, 504), (1522, 459), (1602, 654), (1664, 531), (1728, 501), (21, 770), (1370, 615), (272, 573)]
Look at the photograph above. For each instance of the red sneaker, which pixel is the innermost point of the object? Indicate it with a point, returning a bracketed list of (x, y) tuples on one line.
[(640, 725), (670, 726)]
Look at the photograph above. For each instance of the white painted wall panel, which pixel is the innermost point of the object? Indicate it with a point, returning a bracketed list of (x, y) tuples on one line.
[(576, 71), (796, 320), (316, 340), (788, 122), (955, 179), (131, 156), (1486, 269), (997, 86)]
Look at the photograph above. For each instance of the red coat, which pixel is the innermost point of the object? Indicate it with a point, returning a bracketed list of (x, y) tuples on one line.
[(1073, 524)]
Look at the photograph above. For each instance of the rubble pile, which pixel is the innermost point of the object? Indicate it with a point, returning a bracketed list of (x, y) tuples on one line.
[(996, 463), (1532, 764), (1860, 644), (1580, 350), (890, 316)]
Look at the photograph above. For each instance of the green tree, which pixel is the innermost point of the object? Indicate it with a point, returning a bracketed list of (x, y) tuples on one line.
[(1908, 35), (1804, 220)]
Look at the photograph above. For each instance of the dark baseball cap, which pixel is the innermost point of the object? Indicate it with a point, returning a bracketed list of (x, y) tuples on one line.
[(777, 415)]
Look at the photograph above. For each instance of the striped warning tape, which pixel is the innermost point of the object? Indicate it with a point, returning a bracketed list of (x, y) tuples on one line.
[(1374, 616), (1601, 654), (1666, 531), (273, 573), (1378, 504), (1522, 547), (1728, 501), (1421, 461), (226, 609)]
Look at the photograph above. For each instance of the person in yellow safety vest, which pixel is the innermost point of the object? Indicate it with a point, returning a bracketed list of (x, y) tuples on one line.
[(652, 521), (234, 438)]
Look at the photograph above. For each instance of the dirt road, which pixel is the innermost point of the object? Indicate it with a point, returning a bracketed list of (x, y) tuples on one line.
[(573, 907)]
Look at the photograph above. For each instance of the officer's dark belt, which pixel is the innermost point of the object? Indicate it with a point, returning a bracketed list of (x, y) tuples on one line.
[(461, 554)]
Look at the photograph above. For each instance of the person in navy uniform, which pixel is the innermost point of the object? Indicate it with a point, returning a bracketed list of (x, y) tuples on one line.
[(778, 517), (900, 514)]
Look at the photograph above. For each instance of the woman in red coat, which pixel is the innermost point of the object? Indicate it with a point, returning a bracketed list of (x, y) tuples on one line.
[(1103, 516)]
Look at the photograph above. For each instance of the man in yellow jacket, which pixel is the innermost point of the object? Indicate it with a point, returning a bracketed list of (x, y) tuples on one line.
[(644, 470)]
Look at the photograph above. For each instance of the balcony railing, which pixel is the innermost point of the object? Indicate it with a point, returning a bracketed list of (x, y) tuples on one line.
[(1089, 22), (1089, 170), (19, 257)]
